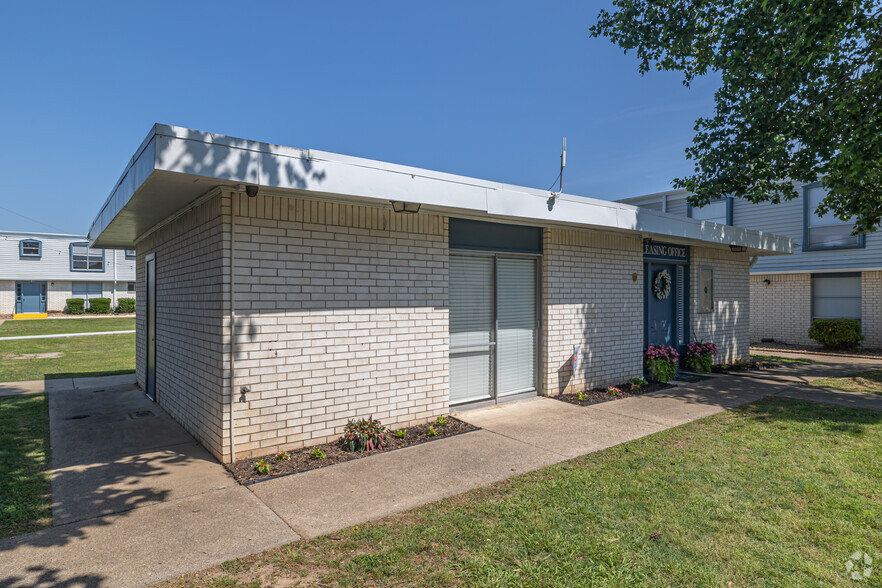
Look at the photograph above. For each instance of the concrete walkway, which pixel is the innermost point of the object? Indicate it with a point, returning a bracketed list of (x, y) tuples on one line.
[(107, 383), (136, 500), (65, 335)]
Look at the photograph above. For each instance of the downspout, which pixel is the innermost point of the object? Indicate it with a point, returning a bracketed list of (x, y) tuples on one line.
[(233, 201)]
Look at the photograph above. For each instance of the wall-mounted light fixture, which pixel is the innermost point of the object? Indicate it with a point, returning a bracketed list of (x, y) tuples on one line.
[(737, 248), (767, 281), (251, 190), (405, 207)]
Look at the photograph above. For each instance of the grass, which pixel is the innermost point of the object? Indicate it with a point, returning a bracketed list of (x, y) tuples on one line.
[(777, 359), (779, 492), (869, 381), (24, 464), (23, 328), (80, 357)]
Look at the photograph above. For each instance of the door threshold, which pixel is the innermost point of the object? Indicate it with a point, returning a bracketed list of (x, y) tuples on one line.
[(476, 404)]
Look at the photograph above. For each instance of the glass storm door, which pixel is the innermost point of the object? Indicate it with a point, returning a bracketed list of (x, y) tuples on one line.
[(493, 327)]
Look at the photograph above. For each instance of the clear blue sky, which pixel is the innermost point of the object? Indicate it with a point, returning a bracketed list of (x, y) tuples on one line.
[(463, 87)]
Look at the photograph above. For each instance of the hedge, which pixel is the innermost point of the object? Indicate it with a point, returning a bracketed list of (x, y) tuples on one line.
[(99, 305), (836, 333), (126, 305), (75, 306)]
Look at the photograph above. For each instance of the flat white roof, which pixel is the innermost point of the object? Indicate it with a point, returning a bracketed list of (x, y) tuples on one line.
[(175, 166)]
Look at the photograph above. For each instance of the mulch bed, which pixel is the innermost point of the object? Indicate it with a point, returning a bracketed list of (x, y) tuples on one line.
[(750, 366), (601, 395), (301, 460)]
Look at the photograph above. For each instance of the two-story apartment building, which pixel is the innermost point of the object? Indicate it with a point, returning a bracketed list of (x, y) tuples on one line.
[(832, 273), (40, 271)]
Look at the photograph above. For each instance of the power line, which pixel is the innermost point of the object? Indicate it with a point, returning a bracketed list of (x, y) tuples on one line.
[(33, 220)]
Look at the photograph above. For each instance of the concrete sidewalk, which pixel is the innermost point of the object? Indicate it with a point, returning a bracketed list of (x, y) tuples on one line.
[(135, 500), (65, 335), (107, 383)]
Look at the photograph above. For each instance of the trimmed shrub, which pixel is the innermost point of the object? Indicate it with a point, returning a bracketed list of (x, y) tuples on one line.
[(99, 305), (126, 305), (836, 333), (75, 306)]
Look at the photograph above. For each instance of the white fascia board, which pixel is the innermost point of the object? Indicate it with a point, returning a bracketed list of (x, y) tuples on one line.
[(36, 234), (180, 153)]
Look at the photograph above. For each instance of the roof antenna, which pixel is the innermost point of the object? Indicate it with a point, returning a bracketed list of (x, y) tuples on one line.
[(563, 164)]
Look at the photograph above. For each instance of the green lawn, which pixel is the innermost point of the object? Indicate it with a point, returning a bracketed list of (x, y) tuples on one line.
[(869, 381), (777, 359), (21, 328), (37, 359), (780, 492), (24, 464)]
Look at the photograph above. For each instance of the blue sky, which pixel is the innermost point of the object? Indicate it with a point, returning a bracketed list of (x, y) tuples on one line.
[(479, 89)]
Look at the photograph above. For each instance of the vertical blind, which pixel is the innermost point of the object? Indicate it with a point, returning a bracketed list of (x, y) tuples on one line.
[(516, 346), (471, 327)]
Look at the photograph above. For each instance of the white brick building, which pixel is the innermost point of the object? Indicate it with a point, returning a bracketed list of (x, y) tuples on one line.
[(280, 293), (40, 271)]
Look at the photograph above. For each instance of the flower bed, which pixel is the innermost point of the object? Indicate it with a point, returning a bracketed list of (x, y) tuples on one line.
[(300, 460), (742, 365), (597, 395)]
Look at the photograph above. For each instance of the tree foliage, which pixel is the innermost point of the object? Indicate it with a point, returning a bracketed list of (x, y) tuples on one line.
[(799, 99)]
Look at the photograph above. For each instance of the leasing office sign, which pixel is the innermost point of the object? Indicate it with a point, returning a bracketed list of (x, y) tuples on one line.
[(665, 251)]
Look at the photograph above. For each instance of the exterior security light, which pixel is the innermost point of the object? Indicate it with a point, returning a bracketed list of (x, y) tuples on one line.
[(405, 207), (737, 248), (251, 191), (767, 281)]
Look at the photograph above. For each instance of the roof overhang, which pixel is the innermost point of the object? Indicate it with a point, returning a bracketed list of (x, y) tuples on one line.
[(175, 166)]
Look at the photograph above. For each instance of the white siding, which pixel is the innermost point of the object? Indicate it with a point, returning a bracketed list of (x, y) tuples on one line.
[(54, 263)]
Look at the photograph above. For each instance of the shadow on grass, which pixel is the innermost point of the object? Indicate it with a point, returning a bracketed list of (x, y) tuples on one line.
[(831, 417), (63, 375)]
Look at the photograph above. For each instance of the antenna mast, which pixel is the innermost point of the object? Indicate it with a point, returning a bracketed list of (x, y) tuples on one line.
[(563, 164)]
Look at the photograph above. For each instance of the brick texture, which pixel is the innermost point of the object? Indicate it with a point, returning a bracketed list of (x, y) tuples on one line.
[(341, 314), (7, 297), (591, 300), (871, 309), (728, 326), (782, 309)]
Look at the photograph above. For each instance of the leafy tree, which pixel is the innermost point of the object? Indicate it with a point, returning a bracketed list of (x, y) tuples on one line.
[(799, 100)]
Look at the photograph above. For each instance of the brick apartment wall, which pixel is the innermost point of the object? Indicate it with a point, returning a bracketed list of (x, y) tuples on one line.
[(7, 297), (782, 309), (591, 300), (57, 294), (342, 313), (728, 326), (871, 309), (192, 266)]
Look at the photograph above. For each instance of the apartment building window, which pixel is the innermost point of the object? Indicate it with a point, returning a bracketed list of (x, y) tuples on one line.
[(826, 232), (131, 254), (30, 248), (836, 296), (716, 211), (84, 259)]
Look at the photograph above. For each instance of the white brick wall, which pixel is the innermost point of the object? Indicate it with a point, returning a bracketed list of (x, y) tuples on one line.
[(343, 314), (192, 266), (591, 299), (871, 309), (728, 326), (782, 309), (7, 298)]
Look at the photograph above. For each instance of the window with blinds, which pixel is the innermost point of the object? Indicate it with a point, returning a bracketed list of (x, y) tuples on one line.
[(836, 296), (516, 337), (826, 232)]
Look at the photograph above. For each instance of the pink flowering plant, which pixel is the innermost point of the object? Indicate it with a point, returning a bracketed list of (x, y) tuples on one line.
[(282, 456), (363, 435), (613, 391), (661, 360), (699, 357), (261, 467)]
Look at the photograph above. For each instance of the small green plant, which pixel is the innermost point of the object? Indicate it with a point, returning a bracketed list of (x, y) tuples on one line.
[(282, 456), (363, 435), (75, 306), (613, 391), (581, 396), (638, 383), (401, 433), (317, 453), (432, 432), (125, 305), (440, 421), (836, 333), (261, 467), (99, 306)]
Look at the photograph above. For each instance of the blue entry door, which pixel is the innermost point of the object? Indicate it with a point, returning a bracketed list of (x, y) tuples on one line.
[(661, 304), (30, 297)]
